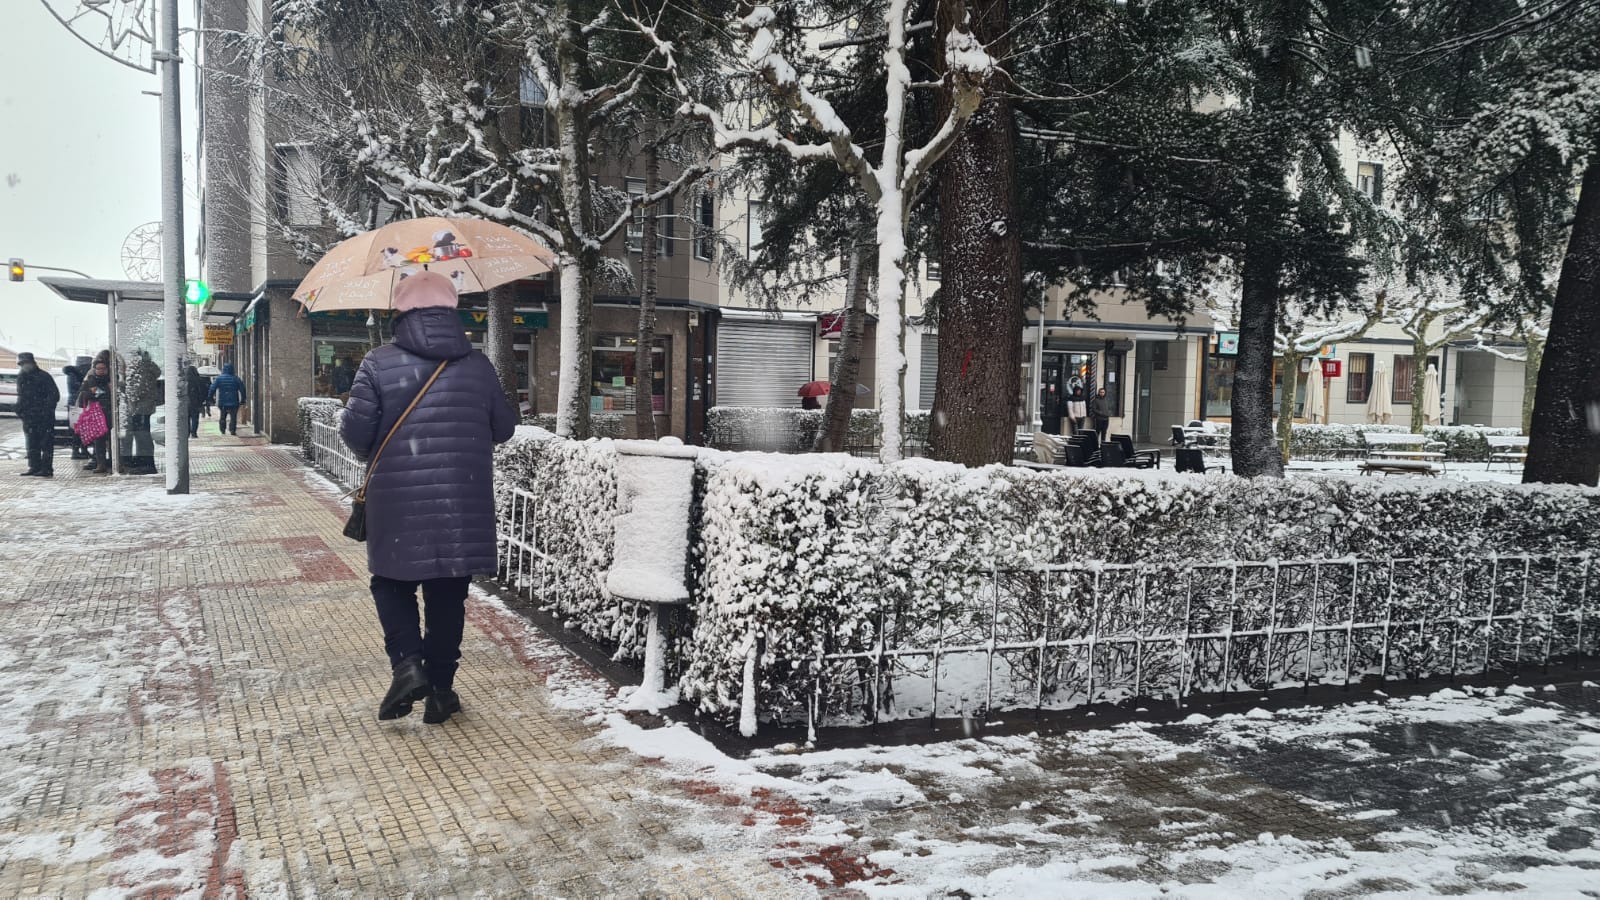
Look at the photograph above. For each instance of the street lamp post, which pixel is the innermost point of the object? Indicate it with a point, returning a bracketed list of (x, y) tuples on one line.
[(132, 33)]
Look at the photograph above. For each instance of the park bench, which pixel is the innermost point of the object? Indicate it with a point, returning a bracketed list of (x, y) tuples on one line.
[(1410, 454), (1507, 448)]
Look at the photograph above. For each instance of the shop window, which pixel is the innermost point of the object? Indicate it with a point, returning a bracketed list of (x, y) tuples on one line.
[(1219, 384), (1358, 378), (1404, 371), (299, 185), (705, 225), (614, 375)]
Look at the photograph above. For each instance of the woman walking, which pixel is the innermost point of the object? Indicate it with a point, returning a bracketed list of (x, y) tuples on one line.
[(430, 500)]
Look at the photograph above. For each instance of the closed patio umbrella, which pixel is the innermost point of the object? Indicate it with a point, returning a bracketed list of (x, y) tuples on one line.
[(1379, 407), (1432, 401), (1314, 405)]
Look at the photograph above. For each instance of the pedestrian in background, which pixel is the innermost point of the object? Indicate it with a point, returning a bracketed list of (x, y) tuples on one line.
[(341, 379), (75, 374), (97, 389), (1100, 413), (195, 384), (37, 396), (141, 395), (430, 497), (227, 390)]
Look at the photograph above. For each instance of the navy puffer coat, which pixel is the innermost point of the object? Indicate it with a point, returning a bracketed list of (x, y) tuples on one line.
[(430, 504)]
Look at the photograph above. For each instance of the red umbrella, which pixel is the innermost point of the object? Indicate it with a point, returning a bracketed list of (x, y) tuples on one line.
[(814, 389)]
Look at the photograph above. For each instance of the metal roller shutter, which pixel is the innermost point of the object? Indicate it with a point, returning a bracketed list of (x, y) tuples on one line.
[(929, 377), (762, 363)]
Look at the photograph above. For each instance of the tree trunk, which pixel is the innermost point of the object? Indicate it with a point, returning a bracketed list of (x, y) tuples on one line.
[(499, 340), (581, 260), (975, 411), (1291, 383), (1563, 445), (842, 397), (1532, 354), (1254, 452), (1419, 375), (644, 419)]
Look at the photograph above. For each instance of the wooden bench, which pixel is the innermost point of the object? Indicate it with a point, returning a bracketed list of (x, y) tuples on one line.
[(1506, 448)]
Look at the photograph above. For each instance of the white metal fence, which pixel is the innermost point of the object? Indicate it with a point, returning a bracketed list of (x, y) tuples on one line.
[(330, 454), (1061, 636)]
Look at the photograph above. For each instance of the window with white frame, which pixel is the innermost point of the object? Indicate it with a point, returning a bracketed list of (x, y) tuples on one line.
[(1369, 181), (753, 222), (705, 207), (636, 221)]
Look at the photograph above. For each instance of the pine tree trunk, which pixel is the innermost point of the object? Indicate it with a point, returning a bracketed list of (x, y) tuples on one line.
[(499, 340), (644, 419), (842, 396), (980, 296), (1563, 446), (1254, 452)]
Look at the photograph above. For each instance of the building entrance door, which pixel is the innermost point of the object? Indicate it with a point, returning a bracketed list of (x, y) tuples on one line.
[(1143, 375)]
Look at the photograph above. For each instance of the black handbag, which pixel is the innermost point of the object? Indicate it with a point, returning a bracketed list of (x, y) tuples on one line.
[(355, 528)]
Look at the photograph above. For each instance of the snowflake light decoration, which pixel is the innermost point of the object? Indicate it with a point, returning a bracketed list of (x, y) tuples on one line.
[(141, 253), (123, 30)]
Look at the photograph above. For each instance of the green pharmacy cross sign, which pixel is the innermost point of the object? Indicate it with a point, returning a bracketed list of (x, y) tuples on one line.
[(196, 292)]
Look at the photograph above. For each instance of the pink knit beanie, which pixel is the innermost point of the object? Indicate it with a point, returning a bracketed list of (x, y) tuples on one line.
[(423, 290)]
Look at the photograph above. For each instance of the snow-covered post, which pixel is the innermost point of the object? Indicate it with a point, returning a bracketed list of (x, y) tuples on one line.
[(650, 546)]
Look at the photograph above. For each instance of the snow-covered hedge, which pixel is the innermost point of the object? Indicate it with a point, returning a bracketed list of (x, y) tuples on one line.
[(315, 409), (602, 424), (798, 555), (789, 430), (1462, 442)]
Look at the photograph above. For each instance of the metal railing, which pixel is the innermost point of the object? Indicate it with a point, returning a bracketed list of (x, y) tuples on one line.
[(1061, 636), (330, 454)]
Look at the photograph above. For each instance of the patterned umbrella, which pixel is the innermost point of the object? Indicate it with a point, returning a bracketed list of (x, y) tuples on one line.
[(361, 272)]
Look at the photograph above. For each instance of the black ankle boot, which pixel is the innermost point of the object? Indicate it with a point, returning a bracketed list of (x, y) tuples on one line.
[(410, 684), (440, 706)]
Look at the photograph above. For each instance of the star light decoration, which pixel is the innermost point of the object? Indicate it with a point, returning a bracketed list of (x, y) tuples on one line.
[(123, 30), (141, 253)]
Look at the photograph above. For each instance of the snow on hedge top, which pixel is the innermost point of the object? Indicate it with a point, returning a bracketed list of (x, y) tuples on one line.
[(774, 470)]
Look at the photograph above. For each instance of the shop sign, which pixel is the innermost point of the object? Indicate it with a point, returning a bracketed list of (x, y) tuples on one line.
[(324, 353), (219, 335), (1332, 368), (831, 325), (245, 322), (1227, 343), (522, 318), (1329, 351)]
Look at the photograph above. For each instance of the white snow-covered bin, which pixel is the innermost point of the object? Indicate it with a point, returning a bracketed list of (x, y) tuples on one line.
[(650, 544)]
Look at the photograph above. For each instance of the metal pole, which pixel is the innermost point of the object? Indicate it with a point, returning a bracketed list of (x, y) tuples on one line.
[(176, 331)]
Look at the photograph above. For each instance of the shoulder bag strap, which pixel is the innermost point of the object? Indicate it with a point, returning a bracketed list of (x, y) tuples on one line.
[(362, 494)]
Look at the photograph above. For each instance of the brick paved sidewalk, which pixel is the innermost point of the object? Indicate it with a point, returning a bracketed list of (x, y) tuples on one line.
[(190, 708)]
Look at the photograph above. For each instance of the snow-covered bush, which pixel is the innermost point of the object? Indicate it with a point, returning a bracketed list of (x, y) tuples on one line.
[(798, 556), (315, 409), (601, 424), (786, 430), (1465, 443)]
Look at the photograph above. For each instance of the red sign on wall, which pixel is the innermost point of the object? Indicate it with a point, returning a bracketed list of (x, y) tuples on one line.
[(1332, 368)]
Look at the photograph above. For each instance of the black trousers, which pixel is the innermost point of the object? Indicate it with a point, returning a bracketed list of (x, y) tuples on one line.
[(41, 439), (444, 609), (228, 420)]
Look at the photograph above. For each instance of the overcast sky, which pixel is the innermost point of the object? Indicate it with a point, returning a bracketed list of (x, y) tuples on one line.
[(79, 170)]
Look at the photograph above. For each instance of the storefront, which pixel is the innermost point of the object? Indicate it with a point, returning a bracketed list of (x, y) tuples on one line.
[(762, 361)]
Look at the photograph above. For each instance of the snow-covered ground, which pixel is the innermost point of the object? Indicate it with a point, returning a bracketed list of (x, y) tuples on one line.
[(1463, 791), (1499, 473)]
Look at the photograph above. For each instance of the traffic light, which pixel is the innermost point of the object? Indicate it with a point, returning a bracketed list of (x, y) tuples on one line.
[(17, 269), (196, 292)]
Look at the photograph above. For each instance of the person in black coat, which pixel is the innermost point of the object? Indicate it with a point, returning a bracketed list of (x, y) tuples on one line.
[(430, 500), (1100, 413), (75, 374), (37, 396), (195, 384)]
